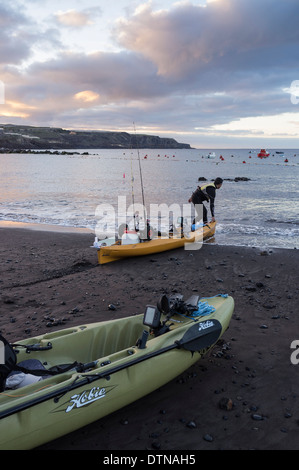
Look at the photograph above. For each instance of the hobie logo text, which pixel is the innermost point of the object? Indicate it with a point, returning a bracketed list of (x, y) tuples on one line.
[(205, 325), (85, 398)]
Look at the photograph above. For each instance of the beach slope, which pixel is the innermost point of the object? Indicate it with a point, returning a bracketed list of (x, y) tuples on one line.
[(244, 395)]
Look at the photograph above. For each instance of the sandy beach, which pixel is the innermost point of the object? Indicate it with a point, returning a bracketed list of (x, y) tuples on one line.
[(244, 395)]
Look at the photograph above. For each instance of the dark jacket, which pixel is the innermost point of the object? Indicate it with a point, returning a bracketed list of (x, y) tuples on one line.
[(205, 193)]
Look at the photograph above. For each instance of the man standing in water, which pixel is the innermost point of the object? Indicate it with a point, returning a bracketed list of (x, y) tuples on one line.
[(206, 193)]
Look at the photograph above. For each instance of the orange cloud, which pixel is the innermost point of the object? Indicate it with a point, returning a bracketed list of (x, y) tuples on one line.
[(16, 109), (87, 96), (73, 18)]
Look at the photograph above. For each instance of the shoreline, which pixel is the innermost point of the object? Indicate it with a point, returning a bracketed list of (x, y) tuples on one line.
[(44, 227), (51, 280), (39, 227)]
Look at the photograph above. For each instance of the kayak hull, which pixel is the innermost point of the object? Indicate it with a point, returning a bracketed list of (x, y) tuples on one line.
[(48, 409), (107, 254)]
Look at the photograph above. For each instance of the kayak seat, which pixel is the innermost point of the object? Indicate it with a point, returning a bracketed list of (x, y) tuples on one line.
[(32, 369), (18, 379)]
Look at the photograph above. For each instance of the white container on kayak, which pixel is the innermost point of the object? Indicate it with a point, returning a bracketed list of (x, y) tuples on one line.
[(129, 238)]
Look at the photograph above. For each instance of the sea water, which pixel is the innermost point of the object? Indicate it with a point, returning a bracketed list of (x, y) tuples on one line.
[(66, 190)]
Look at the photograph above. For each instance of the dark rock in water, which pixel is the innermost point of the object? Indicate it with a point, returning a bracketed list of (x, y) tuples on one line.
[(208, 438), (237, 179), (111, 307)]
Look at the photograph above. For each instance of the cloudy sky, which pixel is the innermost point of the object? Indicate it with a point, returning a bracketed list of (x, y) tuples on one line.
[(212, 73)]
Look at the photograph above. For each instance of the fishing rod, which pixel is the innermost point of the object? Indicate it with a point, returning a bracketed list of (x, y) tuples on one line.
[(132, 185), (141, 181)]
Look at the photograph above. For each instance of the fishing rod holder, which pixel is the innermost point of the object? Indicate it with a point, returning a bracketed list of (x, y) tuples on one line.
[(166, 306), (169, 306)]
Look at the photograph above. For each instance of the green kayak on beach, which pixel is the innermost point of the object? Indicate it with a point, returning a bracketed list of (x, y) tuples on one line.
[(58, 382)]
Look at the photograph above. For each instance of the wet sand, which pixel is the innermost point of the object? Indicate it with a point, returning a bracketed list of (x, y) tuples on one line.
[(244, 395)]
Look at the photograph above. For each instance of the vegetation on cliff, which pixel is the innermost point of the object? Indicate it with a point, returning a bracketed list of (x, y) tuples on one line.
[(35, 138)]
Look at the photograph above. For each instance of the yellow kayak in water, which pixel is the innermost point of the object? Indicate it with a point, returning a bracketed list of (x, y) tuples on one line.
[(118, 250)]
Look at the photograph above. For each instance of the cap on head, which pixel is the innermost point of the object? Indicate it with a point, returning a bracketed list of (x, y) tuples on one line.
[(218, 181)]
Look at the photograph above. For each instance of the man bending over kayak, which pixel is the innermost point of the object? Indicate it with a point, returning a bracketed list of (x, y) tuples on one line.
[(206, 193)]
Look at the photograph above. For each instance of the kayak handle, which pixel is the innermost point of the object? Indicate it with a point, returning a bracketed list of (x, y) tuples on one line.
[(38, 347)]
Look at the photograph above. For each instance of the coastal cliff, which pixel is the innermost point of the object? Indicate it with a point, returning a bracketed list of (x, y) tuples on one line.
[(15, 137)]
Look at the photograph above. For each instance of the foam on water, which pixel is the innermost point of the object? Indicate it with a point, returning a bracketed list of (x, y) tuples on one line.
[(65, 190)]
